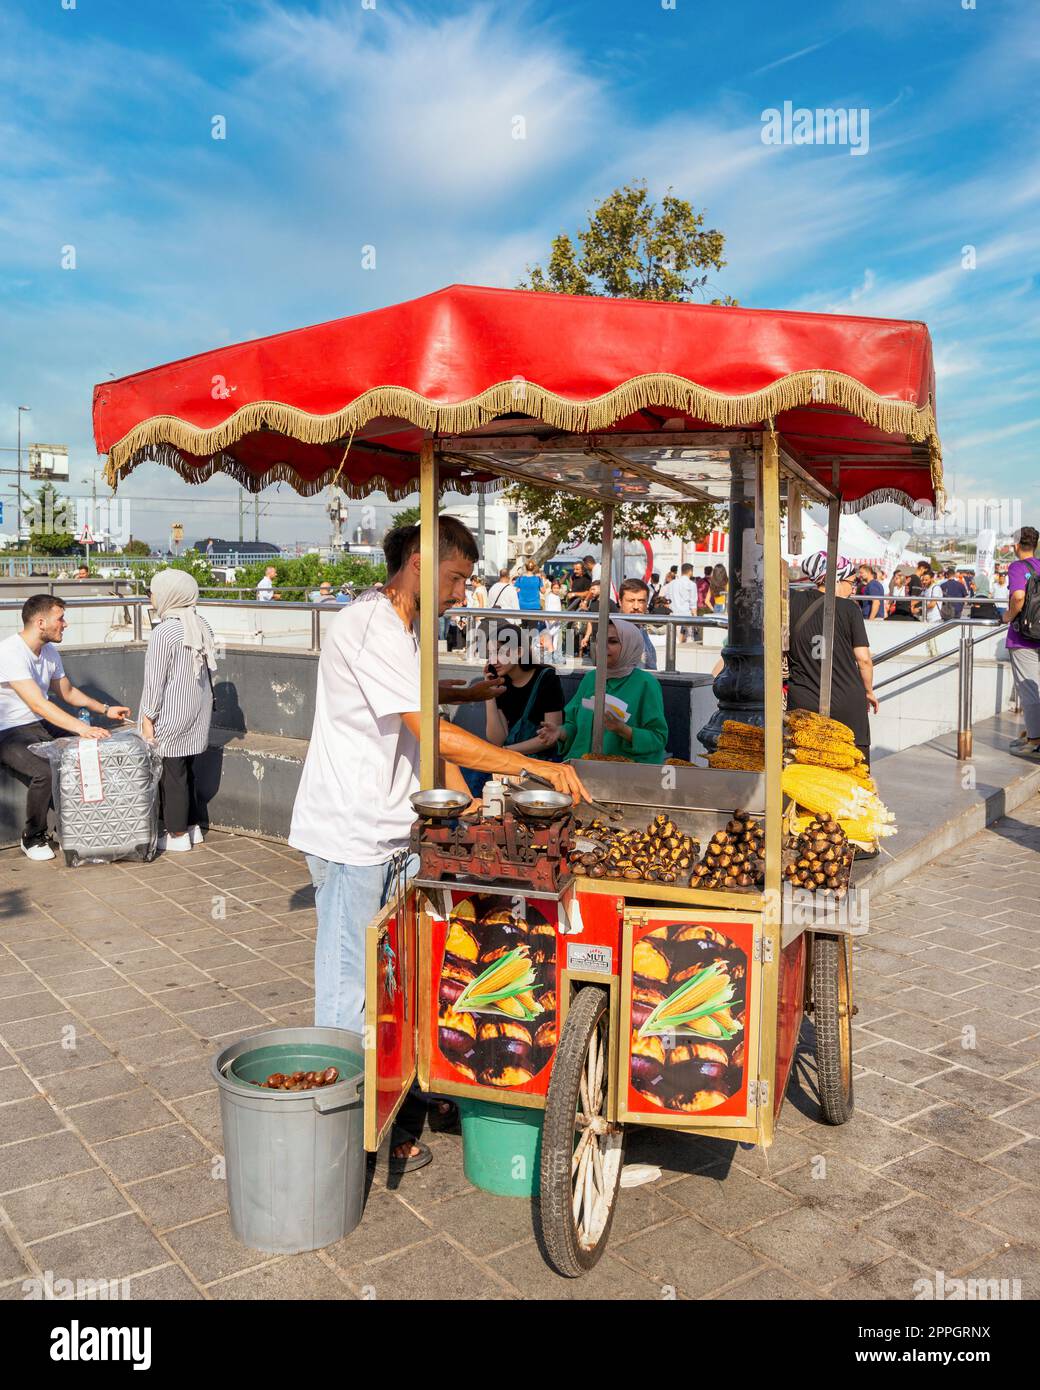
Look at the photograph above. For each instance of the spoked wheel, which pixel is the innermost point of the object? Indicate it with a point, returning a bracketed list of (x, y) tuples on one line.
[(581, 1150), (832, 1015)]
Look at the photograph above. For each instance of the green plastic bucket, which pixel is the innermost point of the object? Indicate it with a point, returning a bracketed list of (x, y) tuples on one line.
[(262, 1062), (501, 1147)]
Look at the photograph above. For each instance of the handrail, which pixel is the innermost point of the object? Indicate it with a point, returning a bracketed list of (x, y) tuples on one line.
[(933, 630)]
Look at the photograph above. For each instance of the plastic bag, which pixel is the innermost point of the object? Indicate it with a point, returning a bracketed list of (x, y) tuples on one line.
[(106, 796)]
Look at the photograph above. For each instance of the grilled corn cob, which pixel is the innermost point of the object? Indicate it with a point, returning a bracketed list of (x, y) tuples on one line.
[(807, 738), (746, 731), (807, 720), (816, 757), (740, 760)]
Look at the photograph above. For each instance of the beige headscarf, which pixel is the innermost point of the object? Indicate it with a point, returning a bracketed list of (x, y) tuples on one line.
[(174, 595), (632, 650)]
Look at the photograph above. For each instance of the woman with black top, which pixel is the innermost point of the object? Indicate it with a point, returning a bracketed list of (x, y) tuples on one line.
[(852, 675), (533, 697)]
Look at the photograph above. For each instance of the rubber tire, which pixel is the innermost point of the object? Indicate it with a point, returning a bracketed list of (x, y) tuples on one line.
[(558, 1237), (830, 956)]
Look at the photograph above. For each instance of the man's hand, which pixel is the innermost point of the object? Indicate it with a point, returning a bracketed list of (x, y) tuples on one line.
[(118, 712), (147, 729), (872, 701), (458, 692), (92, 731), (561, 775)]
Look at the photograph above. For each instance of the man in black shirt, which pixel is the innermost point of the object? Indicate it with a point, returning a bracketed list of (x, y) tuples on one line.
[(852, 678)]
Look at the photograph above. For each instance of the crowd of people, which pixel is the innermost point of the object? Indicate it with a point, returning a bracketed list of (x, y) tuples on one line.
[(927, 595)]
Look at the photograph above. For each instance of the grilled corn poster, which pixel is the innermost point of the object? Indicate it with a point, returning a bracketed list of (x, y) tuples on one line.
[(496, 996), (688, 1036)]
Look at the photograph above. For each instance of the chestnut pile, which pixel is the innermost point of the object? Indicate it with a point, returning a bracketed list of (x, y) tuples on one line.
[(299, 1080), (734, 858), (819, 858), (659, 854)]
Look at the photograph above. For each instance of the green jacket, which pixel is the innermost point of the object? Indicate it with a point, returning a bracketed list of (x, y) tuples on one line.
[(641, 692)]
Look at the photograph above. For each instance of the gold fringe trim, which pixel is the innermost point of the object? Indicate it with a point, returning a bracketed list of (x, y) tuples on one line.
[(523, 397)]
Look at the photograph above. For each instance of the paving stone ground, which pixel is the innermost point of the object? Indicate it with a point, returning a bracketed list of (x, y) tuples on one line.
[(118, 984)]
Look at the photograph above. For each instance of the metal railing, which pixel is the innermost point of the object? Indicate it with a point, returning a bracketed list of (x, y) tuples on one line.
[(671, 622), (965, 655)]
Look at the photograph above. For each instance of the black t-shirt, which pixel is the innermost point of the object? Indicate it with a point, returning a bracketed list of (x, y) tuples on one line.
[(548, 698), (848, 697), (580, 583)]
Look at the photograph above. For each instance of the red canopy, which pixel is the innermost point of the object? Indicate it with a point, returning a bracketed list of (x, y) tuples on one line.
[(352, 399)]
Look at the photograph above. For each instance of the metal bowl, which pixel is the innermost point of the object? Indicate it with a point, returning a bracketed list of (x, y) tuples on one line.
[(439, 804), (537, 804)]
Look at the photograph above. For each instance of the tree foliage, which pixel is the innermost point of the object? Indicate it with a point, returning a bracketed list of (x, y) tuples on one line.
[(297, 576), (632, 248)]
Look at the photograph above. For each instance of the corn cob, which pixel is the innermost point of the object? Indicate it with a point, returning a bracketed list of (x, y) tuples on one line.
[(817, 758), (864, 832), (748, 731), (737, 760), (825, 790), (809, 720), (739, 744), (807, 738)]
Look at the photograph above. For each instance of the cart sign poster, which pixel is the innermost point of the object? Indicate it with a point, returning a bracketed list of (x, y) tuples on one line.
[(390, 1061), (687, 1018), (496, 992)]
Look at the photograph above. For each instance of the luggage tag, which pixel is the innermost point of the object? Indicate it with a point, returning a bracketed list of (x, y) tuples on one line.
[(91, 786)]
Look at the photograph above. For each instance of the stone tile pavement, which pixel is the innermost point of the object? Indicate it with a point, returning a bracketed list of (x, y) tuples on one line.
[(117, 984)]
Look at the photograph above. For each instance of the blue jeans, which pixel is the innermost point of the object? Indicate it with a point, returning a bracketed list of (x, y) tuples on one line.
[(348, 897)]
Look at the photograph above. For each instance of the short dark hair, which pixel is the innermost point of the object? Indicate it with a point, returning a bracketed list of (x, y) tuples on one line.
[(37, 604), (1028, 536), (687, 569), (400, 544), (654, 577), (633, 586), (588, 559), (707, 571)]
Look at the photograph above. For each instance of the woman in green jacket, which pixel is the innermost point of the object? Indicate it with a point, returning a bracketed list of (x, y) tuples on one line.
[(639, 732)]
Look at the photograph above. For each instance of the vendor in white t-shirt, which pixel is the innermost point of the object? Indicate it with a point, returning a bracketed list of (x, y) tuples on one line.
[(352, 811), (30, 673)]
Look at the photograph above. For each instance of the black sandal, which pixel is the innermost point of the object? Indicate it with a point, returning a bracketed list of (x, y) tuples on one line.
[(444, 1121), (413, 1161)]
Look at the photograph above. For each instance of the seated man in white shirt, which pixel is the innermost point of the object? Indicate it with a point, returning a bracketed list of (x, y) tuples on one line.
[(31, 671), (353, 813)]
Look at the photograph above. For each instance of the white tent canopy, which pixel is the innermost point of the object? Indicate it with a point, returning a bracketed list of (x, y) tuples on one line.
[(856, 541)]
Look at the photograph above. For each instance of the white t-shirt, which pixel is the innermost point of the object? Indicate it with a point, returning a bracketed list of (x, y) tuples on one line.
[(999, 594), (265, 589), (17, 663), (682, 595), (503, 595), (362, 765), (934, 615)]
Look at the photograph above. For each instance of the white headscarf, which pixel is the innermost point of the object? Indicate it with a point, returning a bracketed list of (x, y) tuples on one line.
[(174, 595), (632, 650)]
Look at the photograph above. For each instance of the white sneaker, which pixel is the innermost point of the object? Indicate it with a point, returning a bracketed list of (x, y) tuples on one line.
[(197, 837), (177, 844), (37, 852)]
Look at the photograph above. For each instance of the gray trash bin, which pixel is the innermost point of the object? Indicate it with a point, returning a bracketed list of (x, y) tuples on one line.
[(295, 1160)]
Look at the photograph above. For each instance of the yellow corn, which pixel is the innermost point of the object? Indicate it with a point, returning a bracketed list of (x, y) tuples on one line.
[(737, 760), (749, 731), (740, 744), (807, 738), (815, 757), (807, 720), (825, 790)]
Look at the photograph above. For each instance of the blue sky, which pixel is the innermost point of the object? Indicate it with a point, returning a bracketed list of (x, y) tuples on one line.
[(350, 126)]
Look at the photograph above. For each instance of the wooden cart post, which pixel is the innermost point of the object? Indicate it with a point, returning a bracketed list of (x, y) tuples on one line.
[(774, 700), (600, 692), (429, 715), (833, 525)]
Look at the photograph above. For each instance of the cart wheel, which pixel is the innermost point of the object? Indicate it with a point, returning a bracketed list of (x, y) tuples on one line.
[(832, 1015), (581, 1151)]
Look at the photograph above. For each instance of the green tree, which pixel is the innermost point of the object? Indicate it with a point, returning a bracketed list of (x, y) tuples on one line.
[(632, 248), (137, 548), (407, 516), (51, 520)]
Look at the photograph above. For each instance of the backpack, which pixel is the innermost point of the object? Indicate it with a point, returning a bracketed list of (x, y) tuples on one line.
[(1027, 624)]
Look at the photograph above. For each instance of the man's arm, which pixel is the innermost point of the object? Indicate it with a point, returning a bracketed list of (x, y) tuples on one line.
[(31, 694), (1014, 607), (458, 692), (865, 662), (466, 750), (75, 697)]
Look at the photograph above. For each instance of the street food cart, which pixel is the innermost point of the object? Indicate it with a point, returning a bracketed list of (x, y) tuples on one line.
[(523, 964)]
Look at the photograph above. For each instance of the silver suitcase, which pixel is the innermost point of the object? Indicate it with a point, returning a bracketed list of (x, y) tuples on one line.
[(123, 822)]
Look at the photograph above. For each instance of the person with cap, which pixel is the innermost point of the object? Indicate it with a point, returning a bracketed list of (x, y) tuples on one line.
[(177, 700), (852, 676)]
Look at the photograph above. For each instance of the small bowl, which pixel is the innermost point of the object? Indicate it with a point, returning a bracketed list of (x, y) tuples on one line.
[(440, 803), (538, 804)]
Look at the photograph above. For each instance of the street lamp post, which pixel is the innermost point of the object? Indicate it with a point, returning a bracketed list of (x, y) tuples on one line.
[(18, 491)]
